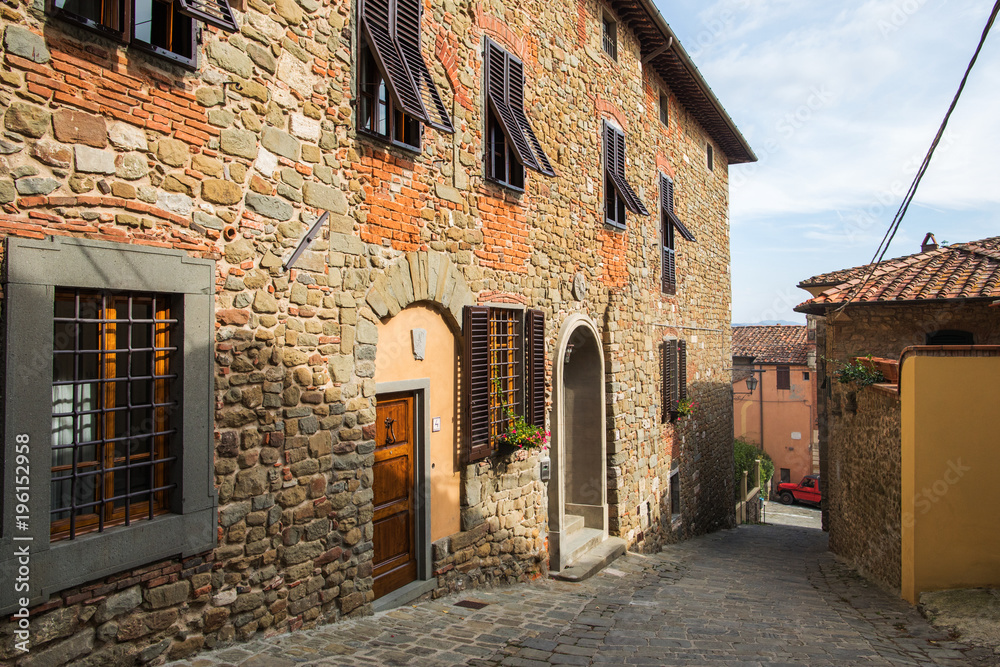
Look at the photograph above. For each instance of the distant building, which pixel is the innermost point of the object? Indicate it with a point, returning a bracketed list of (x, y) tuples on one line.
[(780, 414)]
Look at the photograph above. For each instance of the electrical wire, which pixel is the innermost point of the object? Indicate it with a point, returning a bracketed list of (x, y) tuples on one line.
[(897, 220)]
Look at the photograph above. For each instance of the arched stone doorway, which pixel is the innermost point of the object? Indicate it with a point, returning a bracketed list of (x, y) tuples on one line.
[(578, 505)]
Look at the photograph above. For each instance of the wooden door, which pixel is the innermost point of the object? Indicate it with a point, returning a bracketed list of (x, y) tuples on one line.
[(395, 560)]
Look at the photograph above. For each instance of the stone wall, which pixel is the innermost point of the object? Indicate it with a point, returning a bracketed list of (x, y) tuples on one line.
[(862, 487), (234, 161)]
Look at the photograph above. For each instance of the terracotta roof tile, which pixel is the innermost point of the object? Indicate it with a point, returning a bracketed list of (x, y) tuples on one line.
[(960, 271), (772, 344)]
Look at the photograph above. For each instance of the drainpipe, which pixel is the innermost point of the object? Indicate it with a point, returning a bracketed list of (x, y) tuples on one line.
[(762, 418)]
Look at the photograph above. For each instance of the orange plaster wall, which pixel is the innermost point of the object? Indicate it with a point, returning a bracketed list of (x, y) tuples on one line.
[(785, 412), (394, 362)]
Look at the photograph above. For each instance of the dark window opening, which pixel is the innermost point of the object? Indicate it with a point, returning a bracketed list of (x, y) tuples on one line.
[(950, 337), (160, 27), (112, 407), (377, 111), (609, 37), (710, 157), (664, 110), (504, 165), (784, 377), (614, 206), (675, 492), (786, 475), (805, 375)]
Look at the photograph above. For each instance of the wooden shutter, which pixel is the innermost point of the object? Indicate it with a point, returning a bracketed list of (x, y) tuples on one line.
[(515, 98), (407, 36), (669, 378), (477, 382), (682, 370), (615, 143), (667, 204), (210, 12), (668, 277), (534, 368), (497, 86)]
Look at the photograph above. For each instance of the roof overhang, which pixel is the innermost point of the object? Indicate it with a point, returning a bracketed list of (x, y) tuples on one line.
[(661, 49)]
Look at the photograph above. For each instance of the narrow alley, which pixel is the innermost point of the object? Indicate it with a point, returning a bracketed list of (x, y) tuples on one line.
[(756, 595)]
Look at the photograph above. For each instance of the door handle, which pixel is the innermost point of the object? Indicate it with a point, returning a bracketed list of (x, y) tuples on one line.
[(390, 438)]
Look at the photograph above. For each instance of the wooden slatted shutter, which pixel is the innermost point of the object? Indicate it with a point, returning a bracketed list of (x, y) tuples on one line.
[(498, 64), (515, 97), (407, 36), (669, 378), (534, 371), (210, 12), (668, 278), (477, 382), (682, 370), (628, 195)]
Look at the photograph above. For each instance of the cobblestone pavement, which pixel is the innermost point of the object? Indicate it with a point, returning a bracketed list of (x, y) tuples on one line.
[(755, 595)]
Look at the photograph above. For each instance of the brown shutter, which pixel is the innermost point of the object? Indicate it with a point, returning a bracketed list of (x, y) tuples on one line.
[(669, 378), (477, 381), (407, 36), (515, 98), (534, 370), (617, 165), (210, 12), (682, 370), (497, 86), (667, 204)]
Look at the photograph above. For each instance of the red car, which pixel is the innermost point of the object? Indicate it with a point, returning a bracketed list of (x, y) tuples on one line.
[(806, 491)]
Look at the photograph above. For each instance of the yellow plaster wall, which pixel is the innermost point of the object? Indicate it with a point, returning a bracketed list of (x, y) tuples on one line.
[(950, 462), (395, 362)]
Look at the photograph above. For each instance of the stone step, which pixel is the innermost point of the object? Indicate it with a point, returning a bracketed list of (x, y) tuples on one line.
[(571, 524), (592, 561), (580, 542)]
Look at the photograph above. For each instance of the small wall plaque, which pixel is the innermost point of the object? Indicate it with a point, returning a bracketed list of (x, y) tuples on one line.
[(419, 343)]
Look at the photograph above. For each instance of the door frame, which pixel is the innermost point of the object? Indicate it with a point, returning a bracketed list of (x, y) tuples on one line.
[(421, 489), (557, 493)]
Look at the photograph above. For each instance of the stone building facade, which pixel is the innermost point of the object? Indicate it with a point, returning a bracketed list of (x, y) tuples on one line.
[(198, 430)]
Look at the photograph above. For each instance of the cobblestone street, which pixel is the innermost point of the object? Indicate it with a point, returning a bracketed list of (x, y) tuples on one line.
[(755, 595)]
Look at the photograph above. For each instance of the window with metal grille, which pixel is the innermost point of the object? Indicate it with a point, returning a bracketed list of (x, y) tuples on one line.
[(669, 222), (784, 377), (609, 37), (165, 28), (512, 142), (112, 409), (674, 374), (664, 109), (395, 90), (504, 373), (618, 194)]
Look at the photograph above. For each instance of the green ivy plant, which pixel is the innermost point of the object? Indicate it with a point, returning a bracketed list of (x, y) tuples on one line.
[(857, 371)]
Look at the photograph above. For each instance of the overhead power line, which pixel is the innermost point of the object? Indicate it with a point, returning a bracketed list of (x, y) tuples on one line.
[(897, 220)]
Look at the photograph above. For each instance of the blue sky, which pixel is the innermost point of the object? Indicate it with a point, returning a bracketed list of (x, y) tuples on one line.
[(840, 101)]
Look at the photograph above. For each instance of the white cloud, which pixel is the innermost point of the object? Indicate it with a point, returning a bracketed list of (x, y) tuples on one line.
[(840, 101)]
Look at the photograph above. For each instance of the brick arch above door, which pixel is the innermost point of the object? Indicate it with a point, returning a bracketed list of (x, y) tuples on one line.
[(421, 276)]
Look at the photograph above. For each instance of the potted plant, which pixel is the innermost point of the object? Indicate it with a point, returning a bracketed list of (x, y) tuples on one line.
[(685, 408), (520, 435)]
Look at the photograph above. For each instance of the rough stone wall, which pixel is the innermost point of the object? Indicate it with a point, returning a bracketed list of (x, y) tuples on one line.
[(502, 538), (234, 161), (863, 485)]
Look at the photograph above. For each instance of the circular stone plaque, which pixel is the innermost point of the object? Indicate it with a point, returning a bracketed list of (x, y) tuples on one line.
[(579, 287)]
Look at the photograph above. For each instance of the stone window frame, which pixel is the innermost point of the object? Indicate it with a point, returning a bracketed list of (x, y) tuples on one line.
[(212, 12), (504, 83), (33, 270)]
